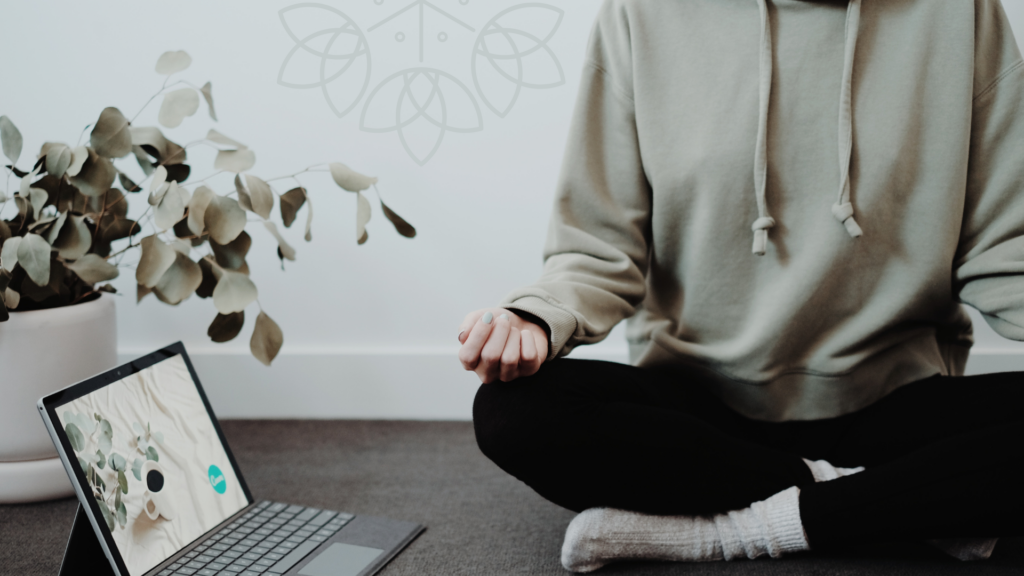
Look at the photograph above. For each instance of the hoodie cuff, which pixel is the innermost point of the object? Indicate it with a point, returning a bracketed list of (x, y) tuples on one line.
[(561, 324)]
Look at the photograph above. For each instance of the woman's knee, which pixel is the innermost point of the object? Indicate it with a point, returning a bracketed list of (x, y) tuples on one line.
[(496, 414)]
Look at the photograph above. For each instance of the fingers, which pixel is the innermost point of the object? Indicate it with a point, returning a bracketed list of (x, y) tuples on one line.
[(474, 341), (529, 362), (510, 357), (490, 356), (467, 324)]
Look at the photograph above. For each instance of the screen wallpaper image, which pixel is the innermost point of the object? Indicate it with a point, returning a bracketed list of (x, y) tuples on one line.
[(154, 462)]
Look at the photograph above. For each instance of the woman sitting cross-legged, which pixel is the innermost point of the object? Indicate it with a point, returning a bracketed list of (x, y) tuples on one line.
[(789, 200)]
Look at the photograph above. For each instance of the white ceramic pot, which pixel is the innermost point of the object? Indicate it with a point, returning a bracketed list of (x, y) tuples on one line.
[(42, 351)]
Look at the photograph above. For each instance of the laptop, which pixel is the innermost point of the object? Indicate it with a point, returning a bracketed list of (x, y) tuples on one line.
[(163, 495)]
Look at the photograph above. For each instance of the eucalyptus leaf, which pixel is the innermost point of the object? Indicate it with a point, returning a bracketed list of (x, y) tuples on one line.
[(156, 183), (51, 227), (9, 253), (349, 179), (179, 281), (284, 249), (152, 455), (26, 182), (104, 427), (143, 159), (34, 257), (207, 91), (97, 175), (153, 141), (177, 106), (110, 135), (224, 218), (37, 197), (171, 208), (74, 239), (58, 160), (243, 195), (108, 516), (11, 299), (93, 269), (10, 139), (122, 513), (101, 459), (79, 154), (291, 203), (156, 258), (218, 138), (83, 464), (225, 327), (178, 172), (261, 195), (128, 184), (309, 220), (231, 256), (137, 468), (104, 444), (235, 160), (85, 424), (172, 62), (209, 282), (75, 437), (197, 209), (122, 481), (362, 217), (234, 292), (117, 462), (267, 339)]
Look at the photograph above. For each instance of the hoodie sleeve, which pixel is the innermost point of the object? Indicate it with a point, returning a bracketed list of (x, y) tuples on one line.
[(990, 257), (595, 258)]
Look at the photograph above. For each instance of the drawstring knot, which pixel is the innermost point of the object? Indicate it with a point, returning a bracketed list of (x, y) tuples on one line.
[(760, 228), (844, 213)]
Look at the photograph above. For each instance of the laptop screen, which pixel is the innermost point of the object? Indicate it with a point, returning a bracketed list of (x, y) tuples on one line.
[(154, 462)]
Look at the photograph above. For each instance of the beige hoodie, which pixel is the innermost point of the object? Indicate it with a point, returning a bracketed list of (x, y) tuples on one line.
[(873, 150)]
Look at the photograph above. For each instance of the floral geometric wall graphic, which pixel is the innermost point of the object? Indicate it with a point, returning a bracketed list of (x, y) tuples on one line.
[(523, 59), (341, 49), (421, 104)]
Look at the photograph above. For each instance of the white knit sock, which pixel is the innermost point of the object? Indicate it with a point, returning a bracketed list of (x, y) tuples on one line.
[(601, 535), (966, 549), (769, 527)]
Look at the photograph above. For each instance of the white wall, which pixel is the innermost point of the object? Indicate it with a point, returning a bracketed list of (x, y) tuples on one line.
[(370, 330)]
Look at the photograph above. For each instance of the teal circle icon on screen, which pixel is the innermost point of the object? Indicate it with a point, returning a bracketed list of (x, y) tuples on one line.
[(220, 485)]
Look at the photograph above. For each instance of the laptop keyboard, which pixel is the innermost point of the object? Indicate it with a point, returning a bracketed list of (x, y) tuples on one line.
[(267, 541)]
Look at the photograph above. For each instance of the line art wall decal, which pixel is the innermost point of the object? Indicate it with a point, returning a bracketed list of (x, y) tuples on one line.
[(422, 104)]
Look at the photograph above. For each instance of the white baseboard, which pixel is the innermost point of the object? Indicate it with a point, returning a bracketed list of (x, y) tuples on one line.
[(372, 383)]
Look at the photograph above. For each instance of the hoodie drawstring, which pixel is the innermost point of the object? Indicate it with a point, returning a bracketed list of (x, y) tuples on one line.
[(842, 209)]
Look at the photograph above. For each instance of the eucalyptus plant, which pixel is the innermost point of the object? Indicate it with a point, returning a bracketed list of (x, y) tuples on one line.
[(87, 433), (68, 231)]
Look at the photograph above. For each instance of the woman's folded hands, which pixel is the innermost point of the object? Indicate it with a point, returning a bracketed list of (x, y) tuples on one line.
[(499, 345)]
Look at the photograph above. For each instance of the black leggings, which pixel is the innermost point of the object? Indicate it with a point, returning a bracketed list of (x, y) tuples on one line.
[(944, 455)]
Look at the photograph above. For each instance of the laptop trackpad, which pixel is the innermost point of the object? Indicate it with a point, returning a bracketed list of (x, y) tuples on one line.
[(341, 559)]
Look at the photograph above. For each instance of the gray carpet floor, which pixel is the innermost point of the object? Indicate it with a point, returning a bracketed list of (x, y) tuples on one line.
[(479, 520)]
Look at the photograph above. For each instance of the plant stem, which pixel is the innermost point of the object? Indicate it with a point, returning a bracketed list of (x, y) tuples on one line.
[(153, 97)]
